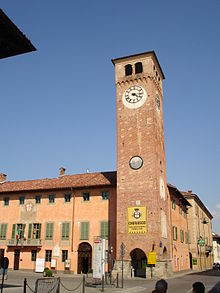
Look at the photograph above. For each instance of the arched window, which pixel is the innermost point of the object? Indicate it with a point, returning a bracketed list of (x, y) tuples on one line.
[(128, 69), (138, 67)]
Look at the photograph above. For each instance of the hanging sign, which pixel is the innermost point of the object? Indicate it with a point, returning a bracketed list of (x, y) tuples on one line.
[(137, 223)]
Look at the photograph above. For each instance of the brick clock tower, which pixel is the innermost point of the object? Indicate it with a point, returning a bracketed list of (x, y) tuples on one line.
[(143, 218)]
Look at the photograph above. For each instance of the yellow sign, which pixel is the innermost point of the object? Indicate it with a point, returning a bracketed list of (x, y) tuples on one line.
[(151, 258), (137, 222)]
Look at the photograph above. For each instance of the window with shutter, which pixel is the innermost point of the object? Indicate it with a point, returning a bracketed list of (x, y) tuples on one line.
[(3, 231), (104, 229), (49, 231), (65, 231), (84, 231), (13, 231), (174, 233)]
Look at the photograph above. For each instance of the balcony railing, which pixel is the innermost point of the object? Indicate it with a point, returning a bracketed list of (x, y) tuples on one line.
[(24, 242)]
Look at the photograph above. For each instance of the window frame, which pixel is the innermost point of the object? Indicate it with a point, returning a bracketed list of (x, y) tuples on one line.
[(3, 231), (67, 197), (48, 255), (49, 229), (38, 199), (6, 201), (21, 200), (65, 232), (104, 229), (175, 235), (128, 70), (138, 67), (33, 255), (84, 194), (64, 255), (51, 198), (104, 197), (84, 230)]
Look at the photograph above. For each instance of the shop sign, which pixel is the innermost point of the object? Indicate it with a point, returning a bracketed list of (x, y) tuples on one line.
[(137, 223)]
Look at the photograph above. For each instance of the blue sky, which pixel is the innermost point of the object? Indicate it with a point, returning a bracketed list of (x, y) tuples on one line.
[(58, 104)]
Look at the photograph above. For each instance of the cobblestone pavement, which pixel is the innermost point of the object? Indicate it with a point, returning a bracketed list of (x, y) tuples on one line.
[(180, 283)]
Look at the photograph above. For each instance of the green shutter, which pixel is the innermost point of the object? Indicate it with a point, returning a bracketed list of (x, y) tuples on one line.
[(3, 231), (13, 231), (84, 230), (23, 230), (104, 229), (49, 231), (39, 231), (65, 231), (29, 231)]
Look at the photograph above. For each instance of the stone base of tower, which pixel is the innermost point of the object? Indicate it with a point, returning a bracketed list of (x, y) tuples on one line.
[(162, 269)]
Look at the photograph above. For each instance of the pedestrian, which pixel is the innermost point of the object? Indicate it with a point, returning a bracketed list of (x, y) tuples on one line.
[(161, 286), (198, 287)]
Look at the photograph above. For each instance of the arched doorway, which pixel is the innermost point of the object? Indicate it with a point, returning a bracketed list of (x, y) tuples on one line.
[(139, 262), (84, 258)]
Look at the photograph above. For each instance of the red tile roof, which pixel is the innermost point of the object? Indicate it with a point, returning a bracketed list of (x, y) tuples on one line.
[(66, 181)]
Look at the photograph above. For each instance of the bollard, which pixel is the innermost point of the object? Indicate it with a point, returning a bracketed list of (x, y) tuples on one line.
[(117, 280), (102, 283), (83, 284), (25, 285)]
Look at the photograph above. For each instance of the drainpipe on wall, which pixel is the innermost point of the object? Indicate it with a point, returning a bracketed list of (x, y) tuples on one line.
[(73, 213)]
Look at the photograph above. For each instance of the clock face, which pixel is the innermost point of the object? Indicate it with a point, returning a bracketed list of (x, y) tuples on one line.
[(134, 97), (136, 162)]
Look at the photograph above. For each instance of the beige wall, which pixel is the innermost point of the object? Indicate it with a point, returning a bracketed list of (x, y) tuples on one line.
[(198, 229)]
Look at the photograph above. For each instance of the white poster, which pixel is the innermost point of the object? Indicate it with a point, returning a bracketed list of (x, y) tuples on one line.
[(40, 264), (99, 258), (56, 251)]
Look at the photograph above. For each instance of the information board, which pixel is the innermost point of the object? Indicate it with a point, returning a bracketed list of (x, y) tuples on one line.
[(151, 258), (40, 264), (99, 258)]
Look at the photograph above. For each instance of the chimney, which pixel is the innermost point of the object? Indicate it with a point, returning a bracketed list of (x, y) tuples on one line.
[(2, 177), (62, 171), (190, 191)]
